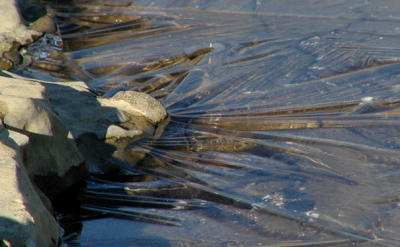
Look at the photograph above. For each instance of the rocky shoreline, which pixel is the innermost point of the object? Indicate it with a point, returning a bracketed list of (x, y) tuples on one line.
[(51, 131)]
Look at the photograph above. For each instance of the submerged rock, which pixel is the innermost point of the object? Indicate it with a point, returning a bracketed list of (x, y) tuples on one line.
[(115, 131)]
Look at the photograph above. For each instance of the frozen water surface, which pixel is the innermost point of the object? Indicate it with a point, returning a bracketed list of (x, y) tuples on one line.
[(284, 121)]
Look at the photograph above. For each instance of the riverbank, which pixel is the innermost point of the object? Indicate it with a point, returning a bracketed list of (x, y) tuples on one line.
[(39, 129)]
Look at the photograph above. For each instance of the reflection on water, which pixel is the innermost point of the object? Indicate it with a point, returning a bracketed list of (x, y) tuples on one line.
[(283, 129)]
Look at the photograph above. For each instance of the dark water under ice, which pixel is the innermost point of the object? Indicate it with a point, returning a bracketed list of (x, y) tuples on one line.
[(284, 122)]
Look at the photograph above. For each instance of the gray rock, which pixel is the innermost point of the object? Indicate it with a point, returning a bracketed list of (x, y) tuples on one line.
[(44, 24), (51, 151), (31, 10), (137, 103), (109, 120), (24, 220), (115, 131), (87, 113), (32, 130), (39, 125), (21, 26), (80, 110), (13, 33), (46, 119), (42, 121)]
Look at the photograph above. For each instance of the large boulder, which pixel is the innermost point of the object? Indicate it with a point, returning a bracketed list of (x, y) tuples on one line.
[(24, 220), (51, 151), (35, 145)]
